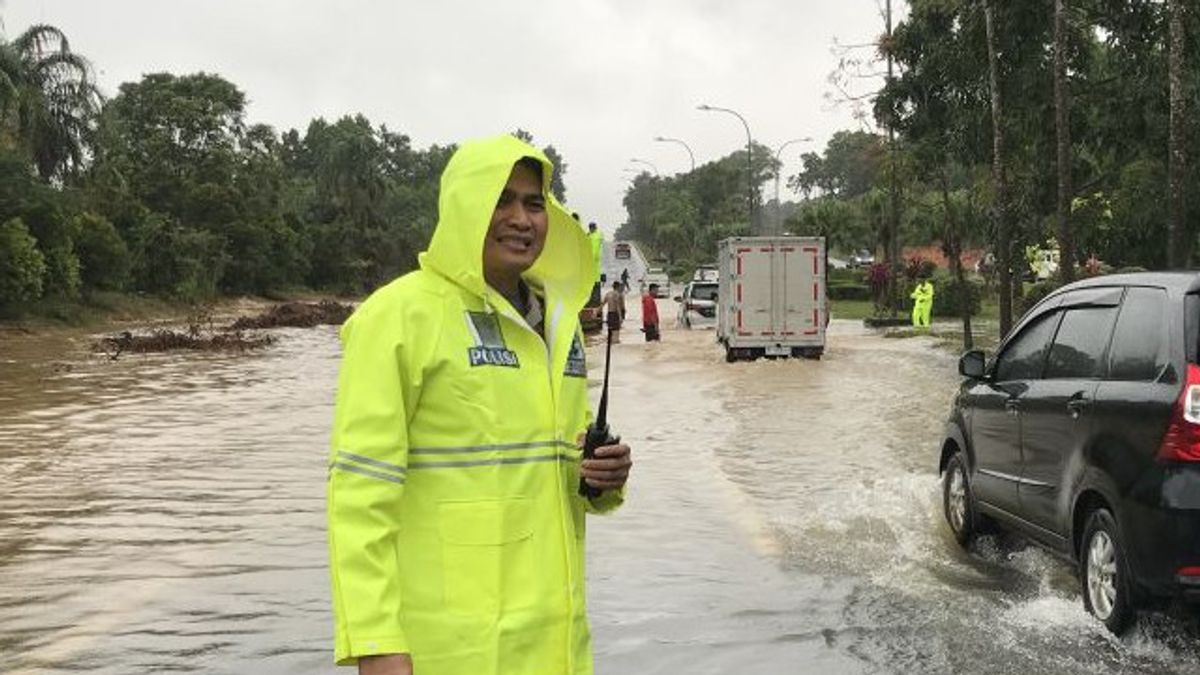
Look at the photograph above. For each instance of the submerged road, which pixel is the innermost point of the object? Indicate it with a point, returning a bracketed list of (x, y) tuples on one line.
[(166, 513)]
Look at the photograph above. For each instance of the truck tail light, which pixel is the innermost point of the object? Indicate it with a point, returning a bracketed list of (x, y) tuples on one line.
[(1181, 443)]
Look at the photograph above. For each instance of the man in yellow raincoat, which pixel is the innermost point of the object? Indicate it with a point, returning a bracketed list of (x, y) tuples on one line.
[(922, 297), (596, 239), (456, 527)]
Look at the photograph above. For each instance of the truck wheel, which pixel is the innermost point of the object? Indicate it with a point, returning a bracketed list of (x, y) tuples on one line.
[(730, 355), (1104, 573)]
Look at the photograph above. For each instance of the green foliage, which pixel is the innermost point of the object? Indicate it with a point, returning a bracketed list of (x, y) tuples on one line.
[(849, 291), (951, 296), (847, 225), (104, 258), (852, 165), (22, 266), (176, 261), (846, 276), (48, 101), (681, 218)]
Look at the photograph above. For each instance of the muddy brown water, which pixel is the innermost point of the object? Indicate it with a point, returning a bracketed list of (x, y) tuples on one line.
[(164, 513)]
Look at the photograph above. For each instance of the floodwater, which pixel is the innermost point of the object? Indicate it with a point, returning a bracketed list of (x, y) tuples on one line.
[(165, 514)]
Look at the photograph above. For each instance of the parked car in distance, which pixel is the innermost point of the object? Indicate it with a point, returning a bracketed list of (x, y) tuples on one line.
[(698, 305), (658, 276), (622, 250), (1083, 433), (861, 258)]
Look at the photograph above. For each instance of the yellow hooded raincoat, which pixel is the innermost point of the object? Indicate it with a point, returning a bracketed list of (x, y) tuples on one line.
[(456, 530)]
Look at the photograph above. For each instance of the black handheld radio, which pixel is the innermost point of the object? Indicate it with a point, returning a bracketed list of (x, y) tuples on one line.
[(598, 434)]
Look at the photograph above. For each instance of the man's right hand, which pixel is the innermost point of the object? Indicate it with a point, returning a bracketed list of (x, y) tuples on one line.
[(386, 664)]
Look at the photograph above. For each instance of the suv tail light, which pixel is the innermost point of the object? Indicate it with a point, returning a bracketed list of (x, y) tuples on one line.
[(1181, 443)]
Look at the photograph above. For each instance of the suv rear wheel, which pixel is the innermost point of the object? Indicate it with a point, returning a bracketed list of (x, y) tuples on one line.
[(957, 500), (1104, 573)]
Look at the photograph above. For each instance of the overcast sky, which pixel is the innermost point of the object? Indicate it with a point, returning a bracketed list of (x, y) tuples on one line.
[(598, 79)]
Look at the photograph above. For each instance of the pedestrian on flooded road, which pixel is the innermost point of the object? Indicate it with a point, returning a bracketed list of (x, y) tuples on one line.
[(456, 536), (922, 297), (614, 310), (650, 314)]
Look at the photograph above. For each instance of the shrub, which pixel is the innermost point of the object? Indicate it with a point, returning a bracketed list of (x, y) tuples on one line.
[(104, 258), (22, 265), (951, 297), (846, 276), (842, 291)]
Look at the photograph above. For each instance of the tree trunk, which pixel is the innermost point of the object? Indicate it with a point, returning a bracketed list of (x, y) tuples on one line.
[(1062, 120), (952, 247), (897, 265), (1000, 207), (1177, 244)]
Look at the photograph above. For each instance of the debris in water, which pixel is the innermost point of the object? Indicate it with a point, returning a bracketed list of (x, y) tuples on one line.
[(297, 315), (164, 340)]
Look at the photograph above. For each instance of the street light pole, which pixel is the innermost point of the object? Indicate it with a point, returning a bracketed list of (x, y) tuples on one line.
[(749, 150), (779, 170), (649, 164), (691, 155)]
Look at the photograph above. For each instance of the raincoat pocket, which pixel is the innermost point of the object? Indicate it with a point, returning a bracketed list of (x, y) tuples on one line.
[(487, 555)]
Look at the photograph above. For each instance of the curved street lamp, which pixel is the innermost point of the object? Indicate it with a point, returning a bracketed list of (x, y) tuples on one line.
[(649, 164), (779, 170), (749, 150), (691, 155)]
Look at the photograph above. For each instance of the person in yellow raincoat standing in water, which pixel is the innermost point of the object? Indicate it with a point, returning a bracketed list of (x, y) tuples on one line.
[(922, 297), (596, 239), (456, 523)]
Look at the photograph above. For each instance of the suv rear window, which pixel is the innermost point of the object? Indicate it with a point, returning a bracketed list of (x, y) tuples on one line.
[(1140, 346), (1078, 349), (705, 292)]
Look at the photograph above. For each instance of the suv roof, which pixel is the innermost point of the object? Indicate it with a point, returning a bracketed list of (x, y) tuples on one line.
[(1186, 281)]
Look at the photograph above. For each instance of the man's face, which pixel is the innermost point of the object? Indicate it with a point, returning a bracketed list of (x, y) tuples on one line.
[(518, 229)]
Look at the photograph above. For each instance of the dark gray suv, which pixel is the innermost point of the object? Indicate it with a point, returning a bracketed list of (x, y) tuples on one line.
[(1083, 433)]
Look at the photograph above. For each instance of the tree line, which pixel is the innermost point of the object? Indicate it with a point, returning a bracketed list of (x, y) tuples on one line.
[(1068, 124), (166, 189)]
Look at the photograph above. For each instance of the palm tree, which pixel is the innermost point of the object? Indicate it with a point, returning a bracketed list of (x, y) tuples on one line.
[(48, 101)]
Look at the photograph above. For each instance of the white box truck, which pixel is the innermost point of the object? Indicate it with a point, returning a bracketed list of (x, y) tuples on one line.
[(771, 300)]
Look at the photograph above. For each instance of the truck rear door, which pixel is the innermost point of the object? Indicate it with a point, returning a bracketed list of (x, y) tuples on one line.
[(753, 277), (798, 284)]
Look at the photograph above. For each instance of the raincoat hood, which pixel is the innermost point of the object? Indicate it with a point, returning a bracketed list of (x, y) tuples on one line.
[(470, 188)]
